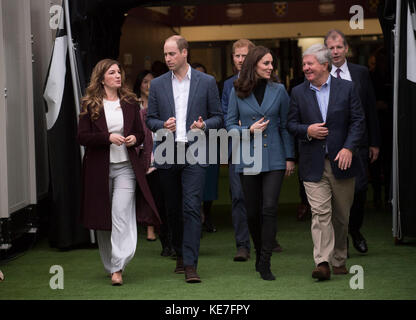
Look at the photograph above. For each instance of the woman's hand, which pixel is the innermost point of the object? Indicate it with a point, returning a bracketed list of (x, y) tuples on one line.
[(117, 139), (259, 125), (290, 168), (130, 141)]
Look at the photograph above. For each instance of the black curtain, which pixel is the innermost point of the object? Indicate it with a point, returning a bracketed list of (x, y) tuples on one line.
[(96, 29), (406, 131), (406, 111), (65, 230)]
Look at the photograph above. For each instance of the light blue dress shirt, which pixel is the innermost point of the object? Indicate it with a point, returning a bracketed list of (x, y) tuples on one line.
[(322, 95)]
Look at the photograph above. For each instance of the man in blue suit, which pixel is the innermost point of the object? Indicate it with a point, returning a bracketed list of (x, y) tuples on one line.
[(238, 209), (326, 116), (370, 142), (180, 100)]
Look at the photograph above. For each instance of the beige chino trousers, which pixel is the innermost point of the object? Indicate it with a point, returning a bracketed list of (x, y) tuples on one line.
[(330, 200)]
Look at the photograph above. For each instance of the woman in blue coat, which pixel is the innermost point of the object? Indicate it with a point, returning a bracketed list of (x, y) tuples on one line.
[(260, 105)]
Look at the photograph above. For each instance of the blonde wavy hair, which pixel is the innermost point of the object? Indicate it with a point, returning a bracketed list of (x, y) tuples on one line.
[(92, 101)]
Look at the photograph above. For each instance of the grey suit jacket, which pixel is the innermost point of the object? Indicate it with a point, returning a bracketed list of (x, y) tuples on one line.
[(203, 101)]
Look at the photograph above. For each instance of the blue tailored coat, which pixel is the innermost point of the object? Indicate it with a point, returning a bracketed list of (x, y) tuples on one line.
[(277, 144)]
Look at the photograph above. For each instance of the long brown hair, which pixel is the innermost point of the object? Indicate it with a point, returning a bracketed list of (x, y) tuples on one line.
[(248, 77), (93, 99)]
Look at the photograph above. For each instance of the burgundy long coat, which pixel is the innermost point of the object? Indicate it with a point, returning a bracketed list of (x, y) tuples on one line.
[(95, 198), (145, 153)]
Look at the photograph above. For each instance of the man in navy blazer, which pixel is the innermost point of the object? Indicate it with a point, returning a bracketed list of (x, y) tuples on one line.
[(238, 208), (370, 141), (326, 116), (180, 100)]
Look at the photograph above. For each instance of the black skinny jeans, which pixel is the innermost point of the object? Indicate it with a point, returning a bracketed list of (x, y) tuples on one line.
[(261, 195)]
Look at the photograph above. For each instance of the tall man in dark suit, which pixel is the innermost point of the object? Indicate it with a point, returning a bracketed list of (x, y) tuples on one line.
[(238, 208), (180, 100), (326, 116), (370, 142)]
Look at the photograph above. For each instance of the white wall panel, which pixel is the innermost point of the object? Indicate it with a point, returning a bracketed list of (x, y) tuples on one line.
[(17, 63)]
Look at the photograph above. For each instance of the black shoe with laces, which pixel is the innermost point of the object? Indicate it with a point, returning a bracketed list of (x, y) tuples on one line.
[(167, 252), (209, 227), (359, 242)]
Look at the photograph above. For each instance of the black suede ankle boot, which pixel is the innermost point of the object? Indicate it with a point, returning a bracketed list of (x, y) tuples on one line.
[(264, 267)]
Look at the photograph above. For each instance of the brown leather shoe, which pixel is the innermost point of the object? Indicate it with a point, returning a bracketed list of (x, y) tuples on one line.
[(322, 272), (303, 211), (190, 275), (116, 279), (179, 266), (277, 248), (339, 270), (242, 254)]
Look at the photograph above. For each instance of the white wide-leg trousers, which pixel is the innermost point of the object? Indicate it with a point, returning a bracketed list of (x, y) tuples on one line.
[(117, 247)]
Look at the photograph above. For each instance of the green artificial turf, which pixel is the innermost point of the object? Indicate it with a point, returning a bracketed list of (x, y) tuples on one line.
[(389, 269)]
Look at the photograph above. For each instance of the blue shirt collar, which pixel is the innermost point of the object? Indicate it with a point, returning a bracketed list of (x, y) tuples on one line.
[(326, 84)]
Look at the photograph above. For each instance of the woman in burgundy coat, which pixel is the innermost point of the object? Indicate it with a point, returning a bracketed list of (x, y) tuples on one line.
[(110, 129)]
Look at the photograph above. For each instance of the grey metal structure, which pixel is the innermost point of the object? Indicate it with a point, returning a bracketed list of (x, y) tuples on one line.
[(17, 124), (25, 49)]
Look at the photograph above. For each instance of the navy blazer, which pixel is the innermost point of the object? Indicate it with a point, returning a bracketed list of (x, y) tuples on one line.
[(203, 101), (277, 144), (361, 78), (228, 86), (344, 120)]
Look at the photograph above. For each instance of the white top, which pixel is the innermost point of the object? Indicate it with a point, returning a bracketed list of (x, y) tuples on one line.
[(344, 74), (180, 96), (115, 124)]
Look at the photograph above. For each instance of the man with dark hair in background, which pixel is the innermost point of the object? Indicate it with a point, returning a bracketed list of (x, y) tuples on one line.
[(370, 142), (238, 209)]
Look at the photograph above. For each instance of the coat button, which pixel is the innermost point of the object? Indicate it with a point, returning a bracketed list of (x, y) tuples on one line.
[(254, 118), (265, 145), (265, 135)]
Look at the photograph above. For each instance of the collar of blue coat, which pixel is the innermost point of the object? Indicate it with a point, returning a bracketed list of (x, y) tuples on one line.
[(273, 91)]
